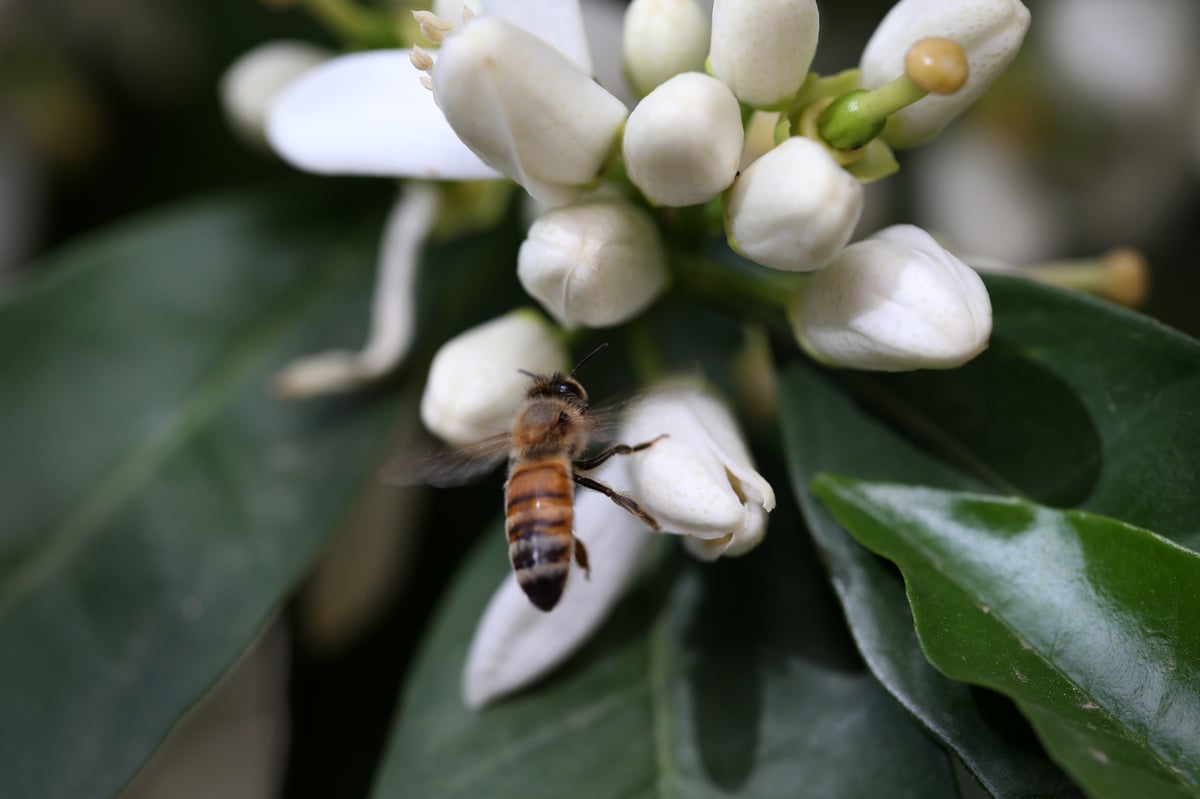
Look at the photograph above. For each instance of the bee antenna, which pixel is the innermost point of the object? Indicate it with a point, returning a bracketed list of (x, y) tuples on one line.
[(588, 357), (527, 373)]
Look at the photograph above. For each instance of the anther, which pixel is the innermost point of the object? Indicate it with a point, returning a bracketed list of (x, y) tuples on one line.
[(427, 82), (467, 14), (420, 59), (428, 19)]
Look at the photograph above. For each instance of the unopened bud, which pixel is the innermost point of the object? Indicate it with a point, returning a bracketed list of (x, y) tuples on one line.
[(990, 32), (762, 49), (663, 38), (894, 302), (475, 386), (794, 208), (596, 263), (684, 140)]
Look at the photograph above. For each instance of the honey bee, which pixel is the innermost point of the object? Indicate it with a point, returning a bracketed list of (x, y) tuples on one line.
[(546, 449)]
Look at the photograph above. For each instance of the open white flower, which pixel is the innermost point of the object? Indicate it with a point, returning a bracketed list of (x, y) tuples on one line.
[(369, 114), (894, 302), (475, 385), (515, 643), (700, 480), (251, 83), (596, 263)]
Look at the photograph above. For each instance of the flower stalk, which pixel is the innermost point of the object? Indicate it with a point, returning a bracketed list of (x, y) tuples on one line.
[(932, 66)]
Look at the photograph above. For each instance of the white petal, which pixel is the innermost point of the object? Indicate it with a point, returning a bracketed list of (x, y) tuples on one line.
[(368, 114), (558, 22), (516, 643), (393, 313)]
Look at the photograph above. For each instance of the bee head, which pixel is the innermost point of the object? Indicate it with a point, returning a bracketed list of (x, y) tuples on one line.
[(557, 385)]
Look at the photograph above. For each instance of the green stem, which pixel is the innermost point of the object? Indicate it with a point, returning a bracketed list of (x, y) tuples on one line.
[(743, 289), (857, 117), (356, 26)]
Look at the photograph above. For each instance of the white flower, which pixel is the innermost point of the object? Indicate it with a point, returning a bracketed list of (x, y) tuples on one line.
[(684, 140), (894, 302), (700, 480), (393, 312), (794, 208), (762, 49), (475, 387), (368, 113), (515, 643), (662, 39), (525, 109), (990, 32), (596, 263), (252, 81)]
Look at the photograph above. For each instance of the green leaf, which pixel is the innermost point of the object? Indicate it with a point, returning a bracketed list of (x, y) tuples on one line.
[(159, 502), (1087, 622), (823, 429), (733, 678), (1076, 403)]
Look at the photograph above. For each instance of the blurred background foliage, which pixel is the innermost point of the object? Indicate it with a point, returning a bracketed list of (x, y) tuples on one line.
[(110, 107)]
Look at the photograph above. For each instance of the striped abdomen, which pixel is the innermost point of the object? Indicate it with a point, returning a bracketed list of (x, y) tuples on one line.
[(539, 518)]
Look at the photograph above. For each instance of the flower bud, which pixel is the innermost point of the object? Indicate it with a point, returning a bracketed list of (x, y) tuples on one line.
[(474, 387), (794, 208), (699, 480), (683, 141), (990, 32), (894, 302), (663, 38), (596, 263), (252, 81), (525, 109), (762, 49)]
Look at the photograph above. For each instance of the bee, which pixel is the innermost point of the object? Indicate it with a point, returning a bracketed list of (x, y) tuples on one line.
[(547, 457)]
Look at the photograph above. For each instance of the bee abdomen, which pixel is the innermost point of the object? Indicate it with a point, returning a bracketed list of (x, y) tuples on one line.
[(539, 521)]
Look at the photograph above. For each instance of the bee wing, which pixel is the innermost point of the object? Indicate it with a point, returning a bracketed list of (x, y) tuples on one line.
[(604, 421), (451, 466)]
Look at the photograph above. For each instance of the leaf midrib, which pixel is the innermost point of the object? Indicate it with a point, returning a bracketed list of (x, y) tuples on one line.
[(139, 464)]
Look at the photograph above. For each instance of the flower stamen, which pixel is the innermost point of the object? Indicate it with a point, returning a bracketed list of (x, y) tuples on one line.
[(421, 59), (433, 27)]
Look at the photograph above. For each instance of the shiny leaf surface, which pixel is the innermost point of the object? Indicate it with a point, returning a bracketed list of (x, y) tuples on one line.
[(1083, 620), (159, 502)]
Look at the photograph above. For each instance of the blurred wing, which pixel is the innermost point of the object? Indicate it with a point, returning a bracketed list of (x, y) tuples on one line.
[(604, 421), (449, 467)]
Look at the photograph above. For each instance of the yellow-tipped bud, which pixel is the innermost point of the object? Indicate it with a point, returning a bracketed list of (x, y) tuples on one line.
[(1126, 277), (937, 65)]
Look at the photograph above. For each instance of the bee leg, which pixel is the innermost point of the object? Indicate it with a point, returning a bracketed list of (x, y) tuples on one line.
[(628, 503), (586, 465), (581, 558)]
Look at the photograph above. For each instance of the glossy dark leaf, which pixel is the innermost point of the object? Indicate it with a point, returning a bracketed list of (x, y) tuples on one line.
[(825, 430), (159, 502), (1076, 403), (734, 678), (1085, 621)]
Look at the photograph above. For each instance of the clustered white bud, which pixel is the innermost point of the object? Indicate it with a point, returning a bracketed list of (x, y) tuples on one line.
[(474, 387), (525, 109), (684, 140), (762, 49), (596, 263), (699, 480), (794, 208), (894, 302), (990, 32), (661, 39)]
